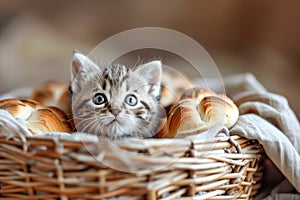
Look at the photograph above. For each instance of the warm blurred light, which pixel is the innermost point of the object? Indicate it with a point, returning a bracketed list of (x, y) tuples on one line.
[(258, 36)]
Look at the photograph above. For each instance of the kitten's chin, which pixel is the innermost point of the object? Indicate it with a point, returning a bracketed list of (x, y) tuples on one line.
[(114, 129)]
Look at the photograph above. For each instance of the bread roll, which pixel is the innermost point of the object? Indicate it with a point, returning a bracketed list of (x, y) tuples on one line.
[(173, 84), (37, 118), (53, 94), (197, 94), (197, 111)]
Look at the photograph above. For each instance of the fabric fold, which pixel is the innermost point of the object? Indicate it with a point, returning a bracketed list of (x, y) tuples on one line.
[(277, 146)]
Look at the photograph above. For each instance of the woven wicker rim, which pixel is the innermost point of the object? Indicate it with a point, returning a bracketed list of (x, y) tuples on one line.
[(49, 168)]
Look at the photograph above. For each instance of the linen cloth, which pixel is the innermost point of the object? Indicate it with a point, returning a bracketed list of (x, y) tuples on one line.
[(267, 117)]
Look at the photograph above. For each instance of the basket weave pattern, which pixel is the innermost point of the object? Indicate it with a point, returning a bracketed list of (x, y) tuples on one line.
[(47, 168)]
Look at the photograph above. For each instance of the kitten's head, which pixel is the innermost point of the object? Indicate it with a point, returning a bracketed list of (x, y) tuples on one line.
[(115, 101)]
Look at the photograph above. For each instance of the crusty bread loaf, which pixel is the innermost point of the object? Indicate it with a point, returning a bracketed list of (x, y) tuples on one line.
[(197, 111), (38, 118), (173, 84), (53, 94)]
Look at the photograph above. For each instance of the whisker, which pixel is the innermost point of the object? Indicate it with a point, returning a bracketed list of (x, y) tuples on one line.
[(97, 131), (94, 126), (88, 125), (81, 122)]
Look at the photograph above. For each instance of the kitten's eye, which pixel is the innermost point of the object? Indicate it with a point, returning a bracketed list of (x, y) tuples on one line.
[(131, 100), (99, 99)]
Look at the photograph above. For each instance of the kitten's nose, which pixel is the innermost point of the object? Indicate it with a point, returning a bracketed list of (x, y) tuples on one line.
[(115, 112)]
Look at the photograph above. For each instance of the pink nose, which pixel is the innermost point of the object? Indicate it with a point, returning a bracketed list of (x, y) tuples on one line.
[(115, 112)]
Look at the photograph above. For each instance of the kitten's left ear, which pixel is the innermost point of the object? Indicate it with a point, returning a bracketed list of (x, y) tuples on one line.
[(81, 68), (151, 72)]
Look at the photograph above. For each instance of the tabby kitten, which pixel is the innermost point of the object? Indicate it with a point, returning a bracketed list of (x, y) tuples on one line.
[(115, 101)]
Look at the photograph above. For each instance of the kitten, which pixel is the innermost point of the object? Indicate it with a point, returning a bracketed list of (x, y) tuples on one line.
[(115, 101)]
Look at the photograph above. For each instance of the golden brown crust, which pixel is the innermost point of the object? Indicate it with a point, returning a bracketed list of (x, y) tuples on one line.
[(17, 108), (43, 121), (184, 117), (173, 84), (38, 118), (66, 122), (8, 101), (197, 111), (197, 94), (53, 94)]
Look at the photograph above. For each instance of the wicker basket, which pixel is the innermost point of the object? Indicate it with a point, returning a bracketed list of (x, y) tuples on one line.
[(53, 168)]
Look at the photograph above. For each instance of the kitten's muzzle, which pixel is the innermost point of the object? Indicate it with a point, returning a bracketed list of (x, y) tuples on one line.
[(115, 112)]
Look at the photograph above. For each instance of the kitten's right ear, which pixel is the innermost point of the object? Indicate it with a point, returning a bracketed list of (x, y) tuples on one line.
[(81, 68)]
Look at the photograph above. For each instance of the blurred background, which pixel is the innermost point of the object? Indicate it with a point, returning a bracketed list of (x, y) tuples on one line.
[(37, 38)]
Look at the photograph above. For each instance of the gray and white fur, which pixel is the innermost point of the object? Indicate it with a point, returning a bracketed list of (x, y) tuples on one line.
[(115, 101)]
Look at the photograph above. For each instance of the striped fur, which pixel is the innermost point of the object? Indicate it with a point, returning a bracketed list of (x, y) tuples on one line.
[(119, 88)]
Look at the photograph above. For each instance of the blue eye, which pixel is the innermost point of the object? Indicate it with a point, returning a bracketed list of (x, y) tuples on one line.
[(131, 100), (99, 99)]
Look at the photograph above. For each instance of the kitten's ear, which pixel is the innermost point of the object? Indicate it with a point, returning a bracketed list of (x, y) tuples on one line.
[(81, 68), (151, 72)]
